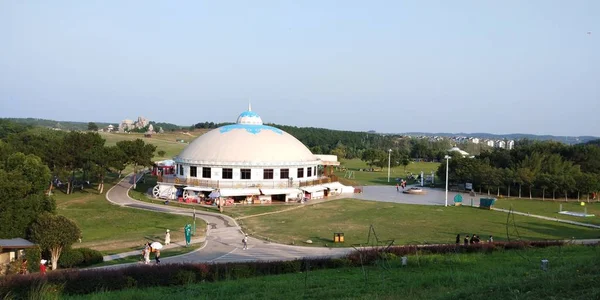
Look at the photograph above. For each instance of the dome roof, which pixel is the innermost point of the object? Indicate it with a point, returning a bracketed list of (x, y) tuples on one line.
[(248, 142)]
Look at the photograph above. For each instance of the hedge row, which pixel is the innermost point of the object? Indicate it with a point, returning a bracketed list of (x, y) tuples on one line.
[(89, 281)]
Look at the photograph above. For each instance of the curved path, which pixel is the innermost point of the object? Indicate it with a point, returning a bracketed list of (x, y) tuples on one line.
[(223, 235)]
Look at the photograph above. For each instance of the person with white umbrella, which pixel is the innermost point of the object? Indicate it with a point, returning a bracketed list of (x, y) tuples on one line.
[(156, 246)]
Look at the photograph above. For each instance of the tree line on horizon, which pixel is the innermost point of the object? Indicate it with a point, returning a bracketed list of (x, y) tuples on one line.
[(540, 169)]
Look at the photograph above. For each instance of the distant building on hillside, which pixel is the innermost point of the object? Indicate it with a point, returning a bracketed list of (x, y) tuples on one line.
[(510, 144)]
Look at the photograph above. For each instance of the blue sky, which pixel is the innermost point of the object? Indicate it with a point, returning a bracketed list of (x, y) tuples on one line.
[(391, 66)]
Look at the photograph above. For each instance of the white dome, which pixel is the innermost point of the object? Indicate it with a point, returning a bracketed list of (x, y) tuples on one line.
[(247, 143)]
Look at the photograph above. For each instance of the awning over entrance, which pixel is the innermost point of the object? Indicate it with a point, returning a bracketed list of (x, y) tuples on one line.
[(333, 185), (313, 188), (280, 191), (239, 192), (16, 243), (197, 189)]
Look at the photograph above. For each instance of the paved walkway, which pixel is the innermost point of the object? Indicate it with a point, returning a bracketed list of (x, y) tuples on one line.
[(223, 235), (549, 218), (179, 244)]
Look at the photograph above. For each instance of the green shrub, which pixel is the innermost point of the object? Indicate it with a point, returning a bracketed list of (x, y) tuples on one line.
[(90, 257), (79, 257), (70, 258), (33, 255)]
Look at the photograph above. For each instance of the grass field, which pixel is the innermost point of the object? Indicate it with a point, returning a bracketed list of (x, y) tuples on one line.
[(403, 223), (107, 227), (573, 274), (166, 142), (379, 177), (550, 208)]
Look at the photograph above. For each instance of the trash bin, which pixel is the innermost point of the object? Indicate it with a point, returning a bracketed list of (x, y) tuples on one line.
[(338, 237), (487, 203)]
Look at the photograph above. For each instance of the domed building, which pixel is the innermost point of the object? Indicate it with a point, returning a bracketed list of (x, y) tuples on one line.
[(249, 161)]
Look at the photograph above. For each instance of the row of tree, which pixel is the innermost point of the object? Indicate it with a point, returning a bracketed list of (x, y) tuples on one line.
[(35, 160), (544, 168)]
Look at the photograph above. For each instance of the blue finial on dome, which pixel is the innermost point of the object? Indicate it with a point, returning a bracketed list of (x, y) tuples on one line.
[(249, 117), (251, 122)]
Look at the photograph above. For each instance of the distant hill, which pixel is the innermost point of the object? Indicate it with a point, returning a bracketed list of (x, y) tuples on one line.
[(70, 125), (64, 125), (594, 142), (511, 136)]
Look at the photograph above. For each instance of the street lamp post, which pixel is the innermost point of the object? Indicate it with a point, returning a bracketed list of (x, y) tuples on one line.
[(389, 163), (447, 160)]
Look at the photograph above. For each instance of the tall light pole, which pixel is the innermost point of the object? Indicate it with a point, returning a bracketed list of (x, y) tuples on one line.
[(447, 160), (389, 163)]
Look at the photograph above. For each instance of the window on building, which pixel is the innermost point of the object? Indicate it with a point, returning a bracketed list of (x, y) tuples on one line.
[(227, 173), (284, 173), (180, 170), (300, 173), (193, 172), (268, 174), (309, 172), (245, 173), (315, 171), (205, 172)]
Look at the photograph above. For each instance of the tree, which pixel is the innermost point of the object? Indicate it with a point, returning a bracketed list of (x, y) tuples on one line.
[(585, 183), (161, 153), (92, 126), (23, 180), (544, 181), (508, 177), (137, 154), (405, 161), (53, 233)]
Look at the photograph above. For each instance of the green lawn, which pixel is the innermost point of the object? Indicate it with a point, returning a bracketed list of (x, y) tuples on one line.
[(107, 227), (166, 142), (550, 208), (404, 223), (379, 177), (573, 274)]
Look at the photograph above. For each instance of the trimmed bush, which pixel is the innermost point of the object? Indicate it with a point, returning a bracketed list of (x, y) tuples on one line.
[(90, 257), (70, 258), (79, 257)]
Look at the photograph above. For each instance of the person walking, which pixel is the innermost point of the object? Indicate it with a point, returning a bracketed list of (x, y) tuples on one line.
[(167, 237), (466, 240), (146, 252), (157, 256), (397, 187), (491, 239), (458, 239), (245, 242)]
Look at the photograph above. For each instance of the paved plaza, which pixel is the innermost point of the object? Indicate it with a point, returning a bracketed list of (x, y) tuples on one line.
[(431, 196)]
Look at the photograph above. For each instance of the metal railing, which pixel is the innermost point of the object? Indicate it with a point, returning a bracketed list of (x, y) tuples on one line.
[(217, 184)]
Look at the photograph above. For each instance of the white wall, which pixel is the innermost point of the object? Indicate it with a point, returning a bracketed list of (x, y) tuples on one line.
[(257, 174)]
